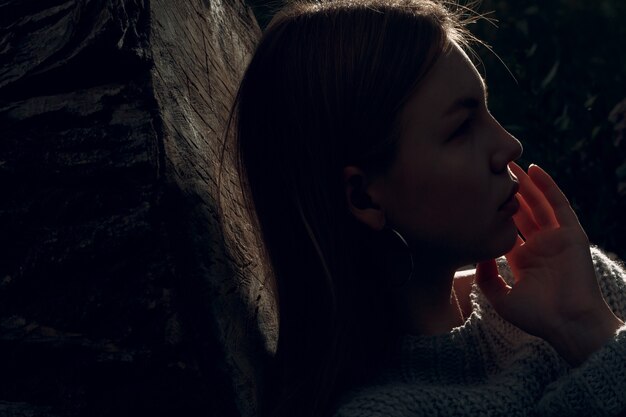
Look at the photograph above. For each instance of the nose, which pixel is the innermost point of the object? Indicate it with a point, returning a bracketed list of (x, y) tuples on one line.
[(506, 149)]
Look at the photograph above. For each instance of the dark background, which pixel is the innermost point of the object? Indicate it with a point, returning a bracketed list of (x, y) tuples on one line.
[(567, 102), (557, 81)]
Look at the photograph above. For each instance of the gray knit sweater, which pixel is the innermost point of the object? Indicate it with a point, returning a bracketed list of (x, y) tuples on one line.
[(488, 367)]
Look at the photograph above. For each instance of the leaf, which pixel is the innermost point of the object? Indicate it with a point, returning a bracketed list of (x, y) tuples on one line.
[(618, 113), (522, 25), (595, 131), (551, 75), (531, 10), (563, 121), (621, 171), (590, 101), (578, 145), (531, 51)]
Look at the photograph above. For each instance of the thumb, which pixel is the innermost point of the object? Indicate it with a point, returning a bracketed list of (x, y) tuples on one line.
[(492, 285)]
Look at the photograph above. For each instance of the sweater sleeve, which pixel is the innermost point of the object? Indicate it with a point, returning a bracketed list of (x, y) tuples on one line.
[(598, 386), (612, 279)]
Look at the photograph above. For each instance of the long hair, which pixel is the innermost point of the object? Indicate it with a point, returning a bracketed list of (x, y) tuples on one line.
[(323, 91)]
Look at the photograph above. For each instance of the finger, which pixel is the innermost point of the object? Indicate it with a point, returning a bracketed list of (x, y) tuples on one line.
[(541, 209), (524, 219), (490, 283), (512, 255), (561, 207)]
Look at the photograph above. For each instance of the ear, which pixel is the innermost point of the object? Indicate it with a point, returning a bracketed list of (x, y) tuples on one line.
[(362, 198)]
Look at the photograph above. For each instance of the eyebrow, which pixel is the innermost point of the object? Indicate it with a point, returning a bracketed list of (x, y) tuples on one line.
[(470, 102)]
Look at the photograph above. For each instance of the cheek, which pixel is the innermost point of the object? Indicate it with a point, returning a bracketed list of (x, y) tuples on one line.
[(453, 197), (429, 211), (439, 195), (452, 209)]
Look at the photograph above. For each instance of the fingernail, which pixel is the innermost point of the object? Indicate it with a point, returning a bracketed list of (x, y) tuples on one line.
[(532, 165)]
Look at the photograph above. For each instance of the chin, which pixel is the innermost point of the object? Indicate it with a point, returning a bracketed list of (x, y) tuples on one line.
[(504, 241), (473, 247), (495, 244)]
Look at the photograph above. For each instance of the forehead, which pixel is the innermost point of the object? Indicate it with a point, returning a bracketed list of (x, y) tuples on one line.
[(452, 77)]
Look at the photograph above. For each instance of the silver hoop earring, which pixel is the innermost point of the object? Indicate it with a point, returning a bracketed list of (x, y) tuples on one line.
[(408, 249)]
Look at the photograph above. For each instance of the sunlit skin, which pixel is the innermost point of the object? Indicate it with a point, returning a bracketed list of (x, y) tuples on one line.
[(556, 294), (444, 193)]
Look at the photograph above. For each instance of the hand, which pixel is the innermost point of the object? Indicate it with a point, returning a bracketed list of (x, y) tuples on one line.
[(555, 294)]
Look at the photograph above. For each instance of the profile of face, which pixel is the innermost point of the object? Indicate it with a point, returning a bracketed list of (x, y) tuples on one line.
[(447, 188)]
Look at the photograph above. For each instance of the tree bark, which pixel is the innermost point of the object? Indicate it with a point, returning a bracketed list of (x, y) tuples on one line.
[(120, 291)]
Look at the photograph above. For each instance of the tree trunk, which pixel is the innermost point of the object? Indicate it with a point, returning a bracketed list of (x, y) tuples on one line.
[(120, 294)]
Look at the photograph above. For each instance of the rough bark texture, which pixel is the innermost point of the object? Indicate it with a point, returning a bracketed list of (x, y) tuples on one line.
[(120, 294)]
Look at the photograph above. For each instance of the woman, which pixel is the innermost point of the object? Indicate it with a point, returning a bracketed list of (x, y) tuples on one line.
[(376, 171)]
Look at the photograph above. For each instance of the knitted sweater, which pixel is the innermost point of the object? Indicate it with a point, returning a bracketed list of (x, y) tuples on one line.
[(488, 367)]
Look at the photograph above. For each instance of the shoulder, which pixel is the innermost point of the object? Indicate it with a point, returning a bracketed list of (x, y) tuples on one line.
[(607, 266), (378, 400), (463, 285), (404, 399)]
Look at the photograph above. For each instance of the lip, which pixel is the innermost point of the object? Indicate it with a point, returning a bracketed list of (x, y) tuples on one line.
[(511, 205)]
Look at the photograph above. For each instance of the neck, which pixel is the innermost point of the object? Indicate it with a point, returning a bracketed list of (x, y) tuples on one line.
[(427, 304)]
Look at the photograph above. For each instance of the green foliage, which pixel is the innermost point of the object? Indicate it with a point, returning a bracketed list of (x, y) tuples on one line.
[(565, 99)]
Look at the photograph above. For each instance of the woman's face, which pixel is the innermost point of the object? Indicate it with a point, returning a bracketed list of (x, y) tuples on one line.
[(446, 188)]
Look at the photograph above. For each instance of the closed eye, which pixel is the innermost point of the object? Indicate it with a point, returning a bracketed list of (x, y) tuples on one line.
[(463, 128)]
